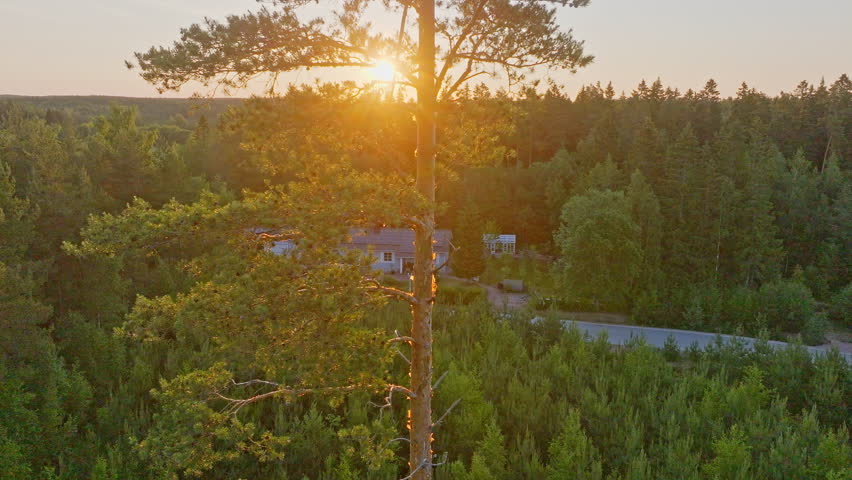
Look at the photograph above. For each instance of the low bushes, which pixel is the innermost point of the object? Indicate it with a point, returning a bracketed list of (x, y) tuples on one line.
[(451, 292), (782, 306), (459, 294)]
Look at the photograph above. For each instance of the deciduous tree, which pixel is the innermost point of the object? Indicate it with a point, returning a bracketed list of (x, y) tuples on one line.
[(600, 246)]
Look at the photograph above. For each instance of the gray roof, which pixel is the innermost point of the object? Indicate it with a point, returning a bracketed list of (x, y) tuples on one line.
[(400, 240)]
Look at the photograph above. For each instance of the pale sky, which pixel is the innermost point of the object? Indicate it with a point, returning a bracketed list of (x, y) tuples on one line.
[(78, 47)]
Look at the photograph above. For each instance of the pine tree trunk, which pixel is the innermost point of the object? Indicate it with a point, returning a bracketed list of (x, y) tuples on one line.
[(420, 421)]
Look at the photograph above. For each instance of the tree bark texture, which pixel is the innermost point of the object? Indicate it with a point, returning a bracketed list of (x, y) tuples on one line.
[(420, 413)]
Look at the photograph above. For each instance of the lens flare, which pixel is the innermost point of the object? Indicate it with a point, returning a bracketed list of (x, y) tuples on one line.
[(383, 71)]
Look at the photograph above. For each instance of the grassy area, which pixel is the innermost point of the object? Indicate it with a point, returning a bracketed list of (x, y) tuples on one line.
[(451, 291), (535, 273), (458, 292)]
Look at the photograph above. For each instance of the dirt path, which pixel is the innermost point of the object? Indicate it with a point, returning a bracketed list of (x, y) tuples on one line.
[(498, 298), (505, 300)]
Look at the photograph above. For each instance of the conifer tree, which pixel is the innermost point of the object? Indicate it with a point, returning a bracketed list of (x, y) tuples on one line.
[(759, 249), (572, 454), (489, 459), (474, 35), (708, 112), (647, 152), (646, 213), (839, 127), (680, 162)]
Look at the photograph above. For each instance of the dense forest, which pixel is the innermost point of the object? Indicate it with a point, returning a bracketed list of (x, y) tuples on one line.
[(134, 287)]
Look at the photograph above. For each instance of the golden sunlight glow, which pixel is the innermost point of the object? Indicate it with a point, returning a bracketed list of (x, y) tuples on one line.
[(383, 71)]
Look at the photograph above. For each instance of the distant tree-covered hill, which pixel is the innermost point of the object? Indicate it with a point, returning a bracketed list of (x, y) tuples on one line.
[(180, 111)]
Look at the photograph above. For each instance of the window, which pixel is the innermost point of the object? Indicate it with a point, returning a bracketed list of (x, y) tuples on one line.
[(509, 247), (387, 256)]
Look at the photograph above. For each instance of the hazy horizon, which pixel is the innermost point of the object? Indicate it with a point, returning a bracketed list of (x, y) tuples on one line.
[(771, 45)]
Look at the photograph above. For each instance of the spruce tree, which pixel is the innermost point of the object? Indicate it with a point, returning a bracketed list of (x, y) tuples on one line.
[(646, 213), (674, 193), (647, 152)]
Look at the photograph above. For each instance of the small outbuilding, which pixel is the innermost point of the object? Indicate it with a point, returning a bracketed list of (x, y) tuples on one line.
[(497, 244)]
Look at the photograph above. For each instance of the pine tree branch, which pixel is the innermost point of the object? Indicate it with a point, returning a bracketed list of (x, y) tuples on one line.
[(235, 404), (390, 291), (463, 36)]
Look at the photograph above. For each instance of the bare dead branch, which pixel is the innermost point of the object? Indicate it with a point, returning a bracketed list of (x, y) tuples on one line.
[(401, 339), (278, 237), (441, 266), (440, 379), (400, 389), (411, 475), (438, 422), (389, 398), (254, 382), (402, 355)]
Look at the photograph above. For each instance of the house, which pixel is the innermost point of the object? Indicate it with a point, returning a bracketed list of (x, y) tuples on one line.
[(393, 248), (499, 244)]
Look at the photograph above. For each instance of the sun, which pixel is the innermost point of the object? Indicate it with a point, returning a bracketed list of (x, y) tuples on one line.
[(383, 71)]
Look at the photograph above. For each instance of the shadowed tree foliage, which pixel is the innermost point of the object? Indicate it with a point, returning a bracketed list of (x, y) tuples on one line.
[(468, 260), (600, 244)]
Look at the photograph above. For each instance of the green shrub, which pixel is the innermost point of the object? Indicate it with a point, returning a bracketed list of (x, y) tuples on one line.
[(670, 350), (741, 310), (841, 306), (787, 304), (693, 352), (815, 328), (647, 309)]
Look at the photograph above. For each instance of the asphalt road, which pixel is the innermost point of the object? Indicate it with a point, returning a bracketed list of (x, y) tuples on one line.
[(620, 334)]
